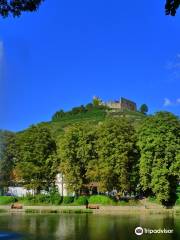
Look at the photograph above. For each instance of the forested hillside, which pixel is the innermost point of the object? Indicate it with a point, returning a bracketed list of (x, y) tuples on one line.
[(131, 152), (90, 113)]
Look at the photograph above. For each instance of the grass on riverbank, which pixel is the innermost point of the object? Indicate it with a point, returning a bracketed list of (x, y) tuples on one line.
[(47, 211), (7, 200), (48, 200)]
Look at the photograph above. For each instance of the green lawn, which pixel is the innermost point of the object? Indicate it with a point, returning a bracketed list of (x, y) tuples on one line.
[(6, 200)]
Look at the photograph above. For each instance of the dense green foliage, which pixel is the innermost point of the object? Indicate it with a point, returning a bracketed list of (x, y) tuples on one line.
[(143, 109), (80, 111), (82, 200), (58, 127), (42, 199), (75, 151), (97, 151), (49, 199), (159, 143), (6, 200), (116, 166), (68, 200), (7, 149), (100, 199), (16, 7), (36, 160), (106, 154)]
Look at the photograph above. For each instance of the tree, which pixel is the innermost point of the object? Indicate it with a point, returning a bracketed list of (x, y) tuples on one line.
[(77, 110), (106, 154), (171, 6), (7, 153), (144, 109), (89, 107), (96, 101), (36, 160), (16, 7), (159, 143), (58, 115), (76, 150), (117, 162)]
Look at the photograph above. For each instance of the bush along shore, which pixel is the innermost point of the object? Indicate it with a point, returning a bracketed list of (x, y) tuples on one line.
[(56, 199), (54, 203)]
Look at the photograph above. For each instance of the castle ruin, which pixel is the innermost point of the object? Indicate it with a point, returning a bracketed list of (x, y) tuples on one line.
[(121, 104)]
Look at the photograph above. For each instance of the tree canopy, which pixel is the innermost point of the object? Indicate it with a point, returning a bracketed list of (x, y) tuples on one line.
[(76, 150), (171, 7), (159, 143), (144, 109), (7, 150), (106, 154), (117, 156), (36, 161), (16, 7)]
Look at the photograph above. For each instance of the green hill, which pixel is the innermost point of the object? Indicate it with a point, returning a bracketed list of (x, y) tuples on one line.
[(92, 116)]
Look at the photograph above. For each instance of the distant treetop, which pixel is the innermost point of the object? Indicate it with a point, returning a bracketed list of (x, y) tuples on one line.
[(16, 7), (171, 6), (144, 109)]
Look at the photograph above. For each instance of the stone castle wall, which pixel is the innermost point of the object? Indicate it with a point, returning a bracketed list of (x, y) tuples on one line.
[(122, 104)]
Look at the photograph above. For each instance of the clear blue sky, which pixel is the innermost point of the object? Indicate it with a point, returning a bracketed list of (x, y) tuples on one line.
[(69, 51)]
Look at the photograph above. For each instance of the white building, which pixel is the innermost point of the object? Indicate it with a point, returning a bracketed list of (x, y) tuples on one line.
[(21, 191), (60, 184)]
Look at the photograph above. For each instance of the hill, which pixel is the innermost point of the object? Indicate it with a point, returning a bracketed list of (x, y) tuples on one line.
[(94, 115)]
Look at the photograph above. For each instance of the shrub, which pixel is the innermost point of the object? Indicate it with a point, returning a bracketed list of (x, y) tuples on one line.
[(36, 199), (56, 199), (5, 200), (68, 200), (153, 199), (82, 200), (178, 201), (100, 199), (42, 198)]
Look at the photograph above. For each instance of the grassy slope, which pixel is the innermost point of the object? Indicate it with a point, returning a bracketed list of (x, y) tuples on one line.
[(92, 117)]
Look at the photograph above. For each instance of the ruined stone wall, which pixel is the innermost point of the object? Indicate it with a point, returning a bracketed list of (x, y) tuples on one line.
[(128, 105), (114, 105), (123, 104)]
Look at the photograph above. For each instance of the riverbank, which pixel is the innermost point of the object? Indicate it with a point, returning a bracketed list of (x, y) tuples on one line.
[(112, 210)]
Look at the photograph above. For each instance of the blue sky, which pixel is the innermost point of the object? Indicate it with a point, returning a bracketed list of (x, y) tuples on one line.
[(69, 51)]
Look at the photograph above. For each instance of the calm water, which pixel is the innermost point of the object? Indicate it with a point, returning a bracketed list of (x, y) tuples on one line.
[(85, 227)]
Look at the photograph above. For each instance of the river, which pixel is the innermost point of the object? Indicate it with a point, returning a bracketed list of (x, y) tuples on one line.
[(87, 226)]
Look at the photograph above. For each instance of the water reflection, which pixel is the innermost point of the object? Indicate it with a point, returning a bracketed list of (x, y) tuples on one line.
[(86, 227), (8, 236)]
